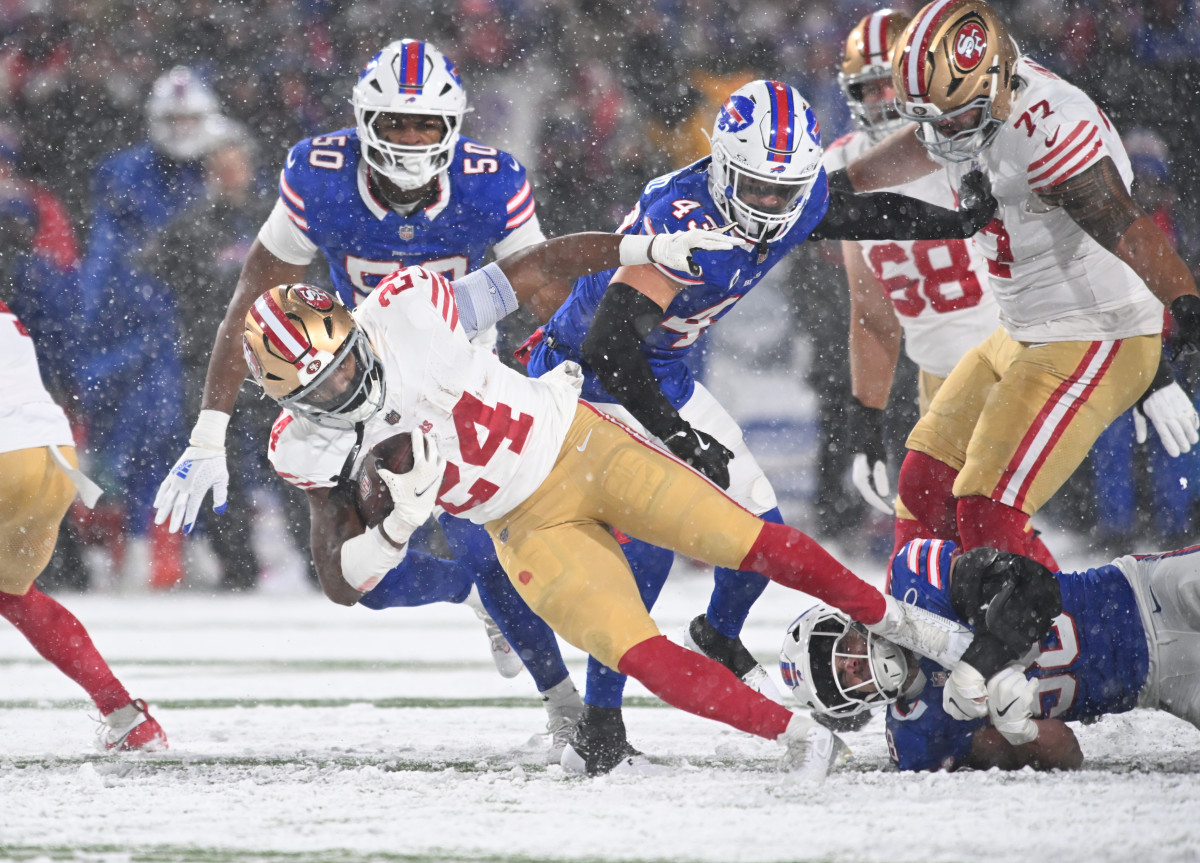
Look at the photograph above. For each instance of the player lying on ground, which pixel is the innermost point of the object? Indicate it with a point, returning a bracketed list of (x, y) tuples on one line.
[(548, 475), (1053, 647)]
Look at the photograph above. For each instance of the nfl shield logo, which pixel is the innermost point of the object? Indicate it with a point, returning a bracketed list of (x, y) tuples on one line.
[(407, 232)]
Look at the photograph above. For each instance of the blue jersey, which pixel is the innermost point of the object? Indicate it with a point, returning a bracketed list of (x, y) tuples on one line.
[(674, 202), (1094, 661), (484, 196)]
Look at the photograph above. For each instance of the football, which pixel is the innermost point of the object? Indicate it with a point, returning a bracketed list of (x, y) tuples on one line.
[(371, 496)]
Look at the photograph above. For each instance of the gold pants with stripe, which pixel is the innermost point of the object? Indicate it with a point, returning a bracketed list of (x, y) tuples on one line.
[(1015, 420), (34, 496), (562, 558)]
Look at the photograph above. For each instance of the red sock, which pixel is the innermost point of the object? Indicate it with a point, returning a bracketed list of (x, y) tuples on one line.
[(58, 635), (908, 529), (986, 522), (926, 486), (702, 686), (1039, 552), (786, 555)]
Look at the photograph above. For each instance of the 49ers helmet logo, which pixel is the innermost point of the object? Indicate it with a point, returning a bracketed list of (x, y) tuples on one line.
[(970, 45), (315, 297)]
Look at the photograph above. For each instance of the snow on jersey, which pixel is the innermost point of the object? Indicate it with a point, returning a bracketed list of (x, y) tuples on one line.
[(1094, 661), (1052, 281), (674, 202), (29, 417), (499, 431), (325, 204), (939, 288)]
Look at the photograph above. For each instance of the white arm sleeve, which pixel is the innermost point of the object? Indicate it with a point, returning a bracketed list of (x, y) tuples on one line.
[(283, 239), (484, 297)]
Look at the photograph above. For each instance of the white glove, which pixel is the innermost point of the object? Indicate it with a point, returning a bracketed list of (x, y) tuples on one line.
[(1174, 417), (200, 469), (414, 494), (965, 694), (1011, 697), (872, 482), (674, 250)]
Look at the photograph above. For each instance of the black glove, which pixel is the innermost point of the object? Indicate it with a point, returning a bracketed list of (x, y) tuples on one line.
[(864, 440), (1185, 309), (976, 206), (702, 451)]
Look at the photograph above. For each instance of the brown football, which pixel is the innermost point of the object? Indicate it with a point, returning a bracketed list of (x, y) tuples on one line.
[(371, 495)]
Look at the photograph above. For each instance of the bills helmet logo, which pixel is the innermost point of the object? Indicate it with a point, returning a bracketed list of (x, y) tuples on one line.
[(315, 297), (736, 114), (970, 44)]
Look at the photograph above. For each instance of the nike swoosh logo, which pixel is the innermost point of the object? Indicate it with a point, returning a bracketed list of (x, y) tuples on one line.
[(1157, 604), (423, 491), (1052, 139), (291, 159), (583, 445), (703, 446), (515, 167), (1003, 710)]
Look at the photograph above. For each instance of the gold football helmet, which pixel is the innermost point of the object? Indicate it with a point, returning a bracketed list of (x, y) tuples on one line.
[(306, 351), (955, 58), (867, 60)]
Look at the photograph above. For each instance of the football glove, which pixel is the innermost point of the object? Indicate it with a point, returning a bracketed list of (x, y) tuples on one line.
[(414, 494), (1174, 418), (199, 470), (976, 206), (674, 250), (702, 451), (965, 695), (1185, 309), (1010, 698), (864, 438)]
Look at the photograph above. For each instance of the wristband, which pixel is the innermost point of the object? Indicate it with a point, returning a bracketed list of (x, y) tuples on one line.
[(484, 297), (367, 558), (635, 249), (209, 430)]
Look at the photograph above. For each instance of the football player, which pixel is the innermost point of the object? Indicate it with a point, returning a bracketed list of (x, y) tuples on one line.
[(549, 475), (39, 477), (1079, 272), (633, 328), (402, 187), (1106, 640)]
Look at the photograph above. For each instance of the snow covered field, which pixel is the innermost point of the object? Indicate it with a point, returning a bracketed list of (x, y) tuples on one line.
[(305, 731)]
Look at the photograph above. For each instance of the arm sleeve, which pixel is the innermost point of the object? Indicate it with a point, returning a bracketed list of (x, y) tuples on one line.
[(613, 349), (484, 297), (888, 216)]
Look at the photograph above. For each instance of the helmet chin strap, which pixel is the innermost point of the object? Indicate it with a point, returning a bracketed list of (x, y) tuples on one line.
[(386, 189)]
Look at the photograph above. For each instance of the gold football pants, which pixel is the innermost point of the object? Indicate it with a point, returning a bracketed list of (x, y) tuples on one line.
[(560, 554), (1015, 420), (34, 497)]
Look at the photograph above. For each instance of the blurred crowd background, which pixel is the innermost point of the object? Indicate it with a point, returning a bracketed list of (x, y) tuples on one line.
[(123, 290)]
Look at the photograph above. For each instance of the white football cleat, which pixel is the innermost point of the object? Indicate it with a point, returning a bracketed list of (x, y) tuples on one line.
[(564, 709), (923, 632), (131, 728), (508, 663)]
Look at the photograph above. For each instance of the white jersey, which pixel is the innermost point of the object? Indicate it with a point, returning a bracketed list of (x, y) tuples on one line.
[(938, 288), (499, 430), (1052, 281), (29, 417)]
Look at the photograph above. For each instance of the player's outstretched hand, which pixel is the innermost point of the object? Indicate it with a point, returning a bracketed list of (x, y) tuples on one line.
[(198, 471), (414, 494), (703, 452), (965, 694), (1174, 418), (675, 250), (864, 438), (1011, 696), (976, 206)]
